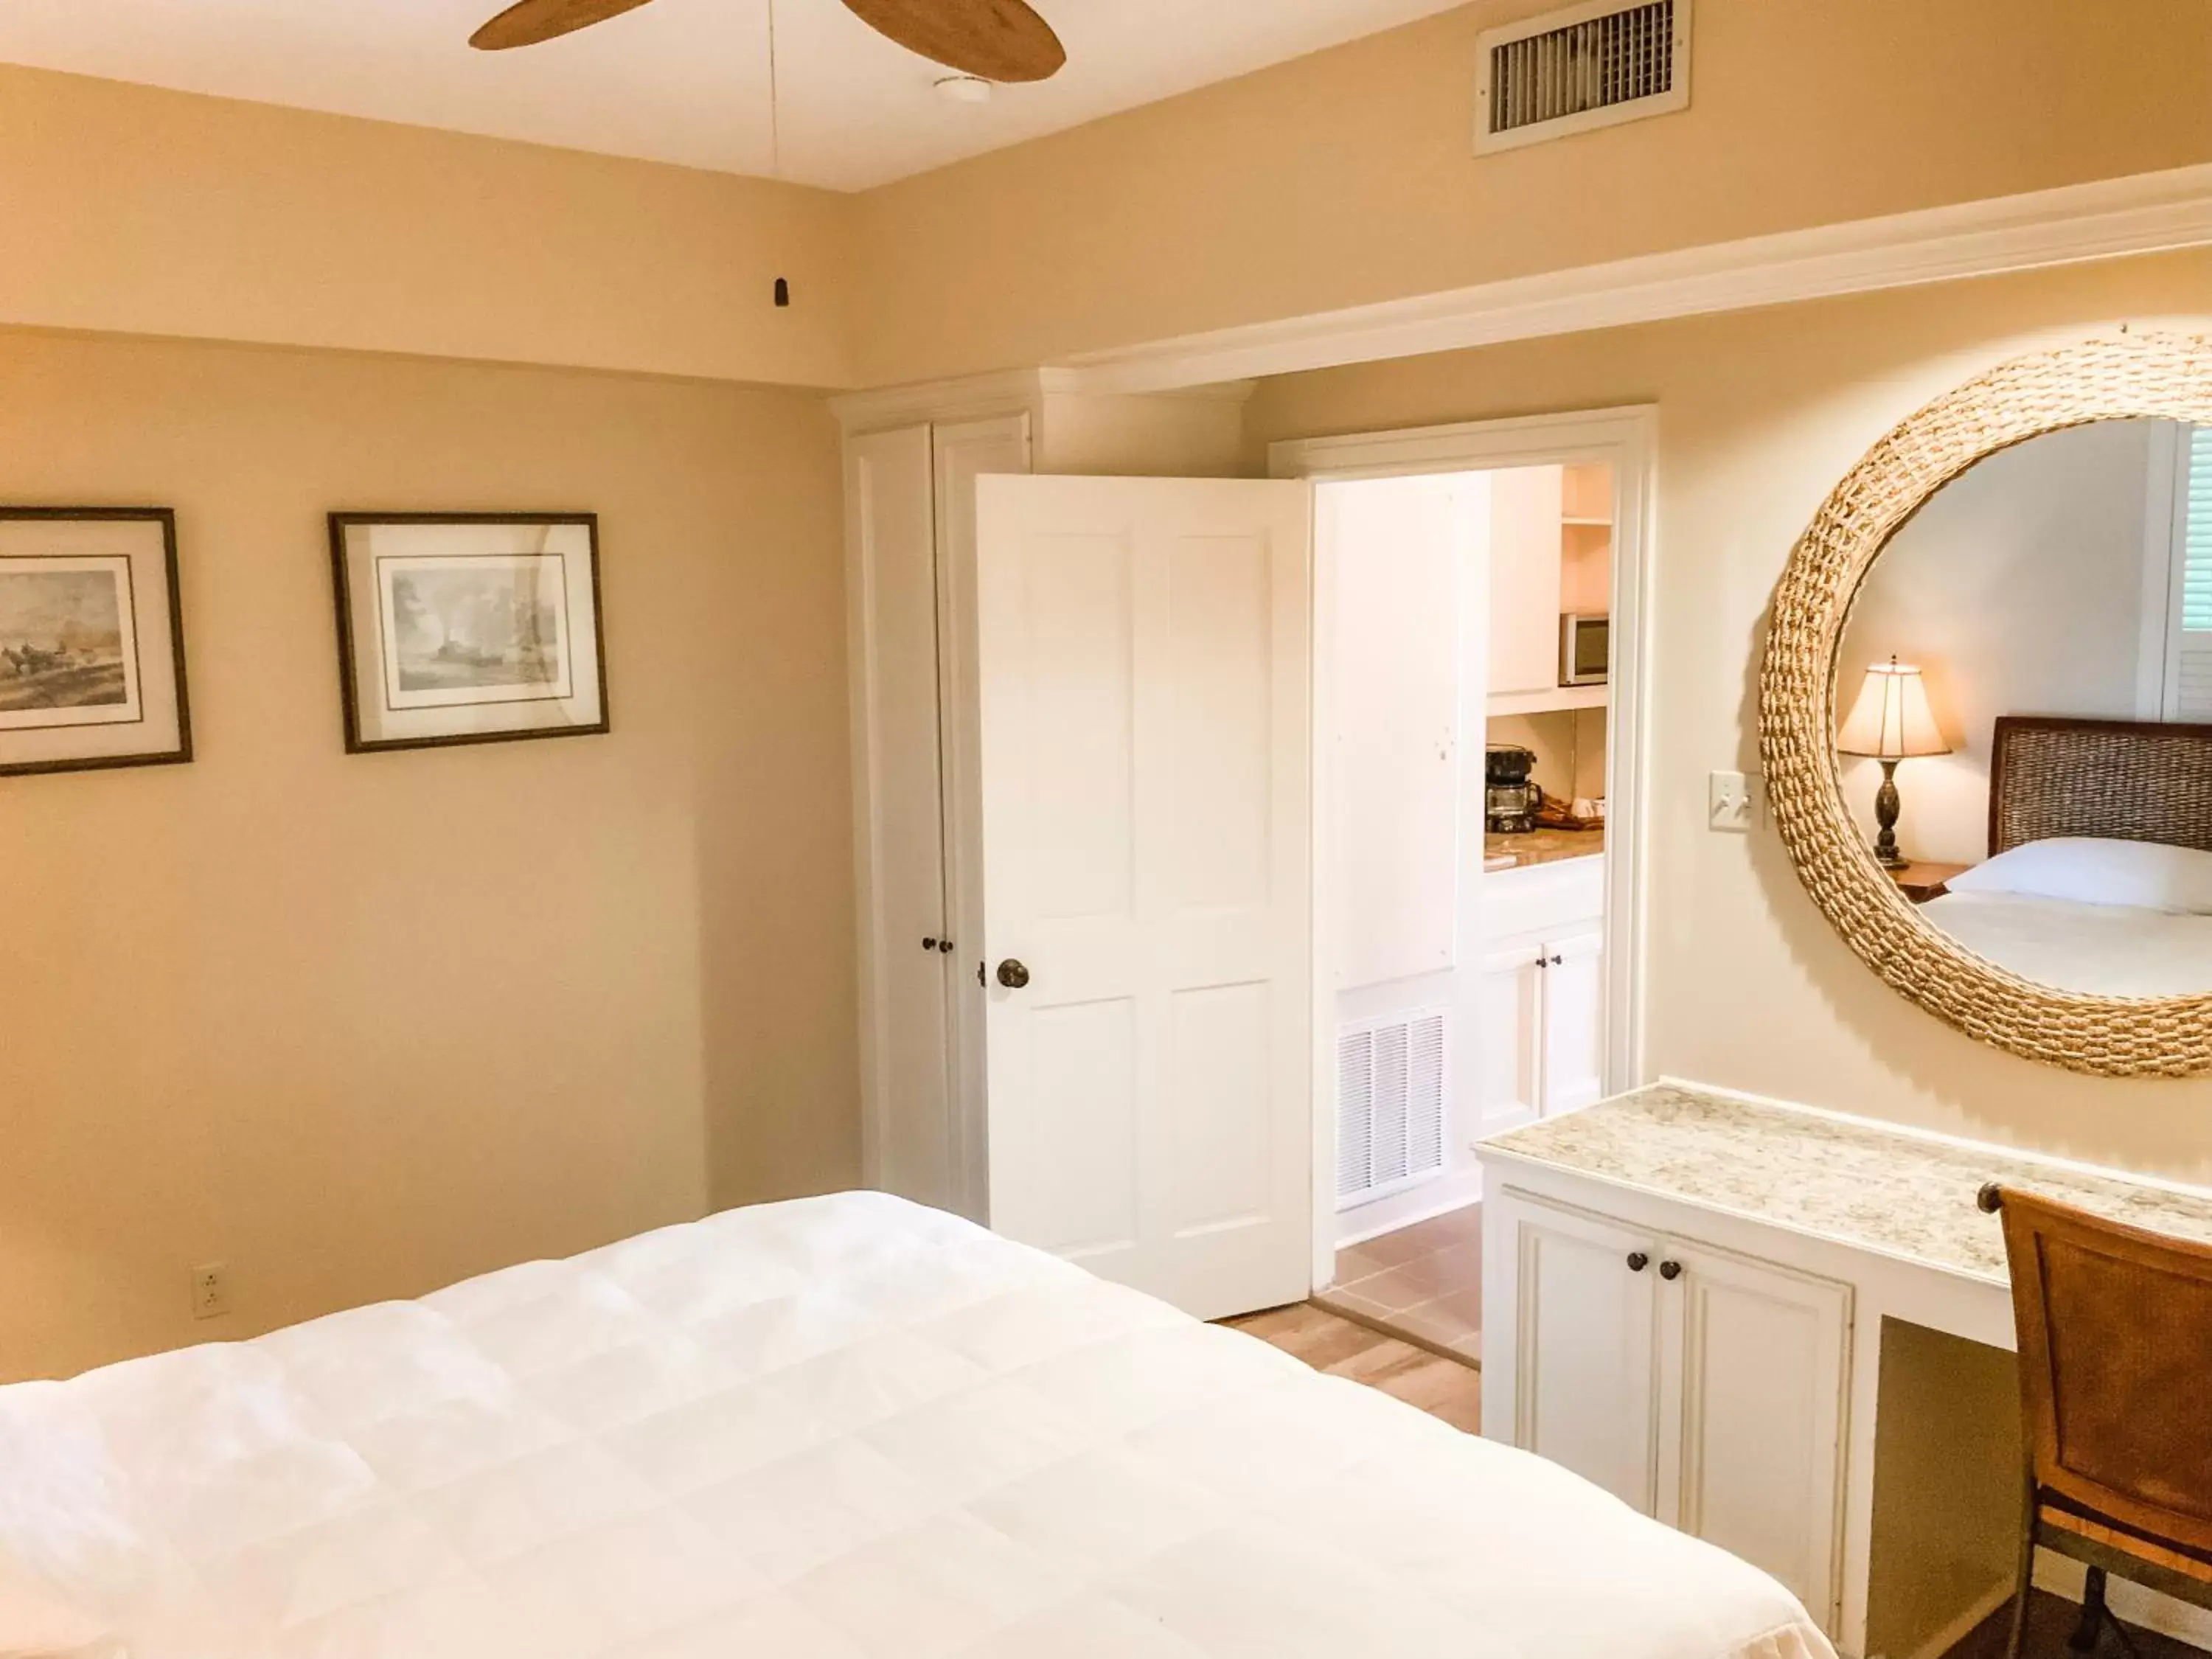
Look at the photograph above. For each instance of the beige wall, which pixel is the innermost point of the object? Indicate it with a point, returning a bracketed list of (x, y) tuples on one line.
[(1759, 414), (361, 1026), (129, 209), (1348, 176)]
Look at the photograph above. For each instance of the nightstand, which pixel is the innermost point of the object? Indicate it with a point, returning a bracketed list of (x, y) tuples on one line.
[(1920, 881)]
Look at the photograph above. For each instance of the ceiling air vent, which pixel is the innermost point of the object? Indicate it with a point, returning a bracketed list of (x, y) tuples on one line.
[(1587, 66)]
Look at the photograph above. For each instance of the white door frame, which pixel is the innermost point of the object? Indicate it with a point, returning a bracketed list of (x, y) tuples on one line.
[(1627, 438)]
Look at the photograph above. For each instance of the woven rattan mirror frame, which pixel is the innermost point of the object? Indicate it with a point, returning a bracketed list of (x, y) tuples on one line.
[(2119, 377)]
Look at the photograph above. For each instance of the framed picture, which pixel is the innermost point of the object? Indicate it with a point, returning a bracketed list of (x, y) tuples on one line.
[(92, 639), (468, 627)]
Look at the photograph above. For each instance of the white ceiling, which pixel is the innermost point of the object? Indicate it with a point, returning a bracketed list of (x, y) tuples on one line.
[(683, 81)]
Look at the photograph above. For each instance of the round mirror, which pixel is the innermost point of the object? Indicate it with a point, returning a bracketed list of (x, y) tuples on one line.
[(1986, 706)]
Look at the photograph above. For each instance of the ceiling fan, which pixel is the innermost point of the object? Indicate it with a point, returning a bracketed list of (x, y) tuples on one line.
[(996, 39)]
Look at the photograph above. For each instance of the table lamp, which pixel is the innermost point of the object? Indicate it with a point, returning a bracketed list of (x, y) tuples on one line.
[(1891, 722)]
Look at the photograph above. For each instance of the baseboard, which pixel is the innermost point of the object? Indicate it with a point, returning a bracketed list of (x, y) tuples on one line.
[(2131, 1604), (1960, 1628), (1454, 1192)]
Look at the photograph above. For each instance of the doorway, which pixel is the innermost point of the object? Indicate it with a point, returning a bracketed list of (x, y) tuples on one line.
[(1478, 823)]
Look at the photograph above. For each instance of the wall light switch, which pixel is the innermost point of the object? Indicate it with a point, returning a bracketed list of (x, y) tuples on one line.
[(210, 1290), (1728, 803)]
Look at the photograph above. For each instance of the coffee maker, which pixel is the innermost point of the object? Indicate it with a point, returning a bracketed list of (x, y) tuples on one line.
[(1510, 800)]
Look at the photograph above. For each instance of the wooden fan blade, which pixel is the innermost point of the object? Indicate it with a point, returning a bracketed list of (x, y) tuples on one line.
[(998, 39), (529, 21)]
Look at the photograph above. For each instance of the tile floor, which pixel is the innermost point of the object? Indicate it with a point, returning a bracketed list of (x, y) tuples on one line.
[(1423, 1281)]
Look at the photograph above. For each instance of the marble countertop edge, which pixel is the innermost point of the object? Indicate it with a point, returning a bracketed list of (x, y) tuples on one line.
[(1887, 1188), (1735, 1212)]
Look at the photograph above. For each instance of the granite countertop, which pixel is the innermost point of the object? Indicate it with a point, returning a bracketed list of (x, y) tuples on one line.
[(1865, 1185), (1542, 847)]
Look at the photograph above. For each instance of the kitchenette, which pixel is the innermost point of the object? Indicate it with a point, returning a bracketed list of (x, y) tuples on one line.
[(1470, 692)]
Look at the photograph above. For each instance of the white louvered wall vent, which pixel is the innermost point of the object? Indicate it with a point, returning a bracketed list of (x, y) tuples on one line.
[(1391, 1088), (1587, 66)]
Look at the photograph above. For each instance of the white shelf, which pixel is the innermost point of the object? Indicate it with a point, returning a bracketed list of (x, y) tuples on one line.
[(1550, 701), (1601, 524)]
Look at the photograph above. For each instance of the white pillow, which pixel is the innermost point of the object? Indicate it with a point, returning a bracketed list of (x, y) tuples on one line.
[(2149, 875)]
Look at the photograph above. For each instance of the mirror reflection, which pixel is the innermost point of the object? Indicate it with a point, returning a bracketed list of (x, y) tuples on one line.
[(2024, 709)]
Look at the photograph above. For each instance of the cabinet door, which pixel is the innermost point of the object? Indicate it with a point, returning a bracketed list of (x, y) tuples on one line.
[(892, 540), (1757, 1436), (1574, 1020), (1524, 580), (1508, 1058), (1585, 1384)]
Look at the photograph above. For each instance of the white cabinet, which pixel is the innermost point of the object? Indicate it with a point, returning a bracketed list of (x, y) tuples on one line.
[(1756, 1432), (1701, 1385), (1541, 993), (1574, 1019), (1525, 509), (1587, 1391), (1509, 1078)]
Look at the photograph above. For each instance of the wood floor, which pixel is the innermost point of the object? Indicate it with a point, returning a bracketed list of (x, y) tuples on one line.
[(2051, 1621), (1328, 1342)]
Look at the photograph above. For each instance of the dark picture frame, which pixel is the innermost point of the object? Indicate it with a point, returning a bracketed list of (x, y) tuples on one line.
[(536, 669), (160, 701)]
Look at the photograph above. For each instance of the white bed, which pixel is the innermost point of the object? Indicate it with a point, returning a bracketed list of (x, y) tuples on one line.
[(844, 1428), (2108, 950)]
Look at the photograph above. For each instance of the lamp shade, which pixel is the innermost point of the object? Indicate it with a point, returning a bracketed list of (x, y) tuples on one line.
[(1892, 719)]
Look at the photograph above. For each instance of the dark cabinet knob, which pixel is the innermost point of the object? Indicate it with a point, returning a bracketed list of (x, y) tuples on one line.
[(1013, 974), (944, 946), (1638, 1262), (1670, 1270), (929, 944)]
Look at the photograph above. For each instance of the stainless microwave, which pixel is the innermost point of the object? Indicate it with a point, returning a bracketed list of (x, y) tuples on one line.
[(1583, 650)]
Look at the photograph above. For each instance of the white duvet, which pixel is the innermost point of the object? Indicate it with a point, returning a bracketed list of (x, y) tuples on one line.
[(2108, 950), (845, 1428)]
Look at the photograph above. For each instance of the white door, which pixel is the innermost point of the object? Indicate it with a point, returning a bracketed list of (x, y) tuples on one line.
[(1757, 1433), (1585, 1391), (1508, 1058), (905, 995), (1144, 659), (965, 451), (1574, 1020)]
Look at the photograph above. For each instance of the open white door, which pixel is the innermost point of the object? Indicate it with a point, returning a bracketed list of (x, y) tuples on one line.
[(1144, 663)]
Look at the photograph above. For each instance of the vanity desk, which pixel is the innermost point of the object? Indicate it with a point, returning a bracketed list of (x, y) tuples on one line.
[(1780, 1329)]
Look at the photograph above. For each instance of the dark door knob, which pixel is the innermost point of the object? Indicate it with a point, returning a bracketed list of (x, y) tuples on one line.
[(1670, 1270), (1013, 974), (1638, 1262)]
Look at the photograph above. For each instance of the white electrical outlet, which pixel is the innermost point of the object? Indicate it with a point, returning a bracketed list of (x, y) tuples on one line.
[(1728, 803), (210, 1290)]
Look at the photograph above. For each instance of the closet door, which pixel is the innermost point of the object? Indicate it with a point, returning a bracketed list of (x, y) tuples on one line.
[(892, 600), (965, 451)]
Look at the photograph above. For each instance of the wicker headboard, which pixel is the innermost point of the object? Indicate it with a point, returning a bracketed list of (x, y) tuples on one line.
[(2122, 780)]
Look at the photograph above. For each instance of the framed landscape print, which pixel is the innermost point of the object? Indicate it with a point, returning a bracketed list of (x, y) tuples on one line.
[(92, 641), (468, 627)]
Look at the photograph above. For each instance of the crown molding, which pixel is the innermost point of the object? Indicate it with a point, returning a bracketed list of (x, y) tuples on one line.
[(1003, 391), (2110, 219)]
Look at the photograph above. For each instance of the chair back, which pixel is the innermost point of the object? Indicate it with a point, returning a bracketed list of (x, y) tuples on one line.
[(2115, 1330)]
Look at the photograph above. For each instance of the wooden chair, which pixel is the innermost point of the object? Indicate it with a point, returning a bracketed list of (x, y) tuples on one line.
[(2115, 1331)]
